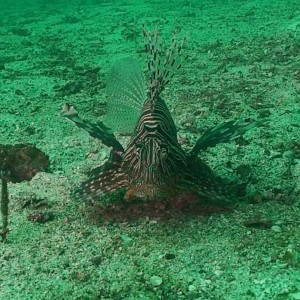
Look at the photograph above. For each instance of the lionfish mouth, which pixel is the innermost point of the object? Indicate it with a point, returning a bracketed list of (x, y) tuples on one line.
[(150, 192)]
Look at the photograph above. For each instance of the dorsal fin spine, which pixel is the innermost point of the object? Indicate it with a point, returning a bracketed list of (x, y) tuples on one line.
[(161, 70)]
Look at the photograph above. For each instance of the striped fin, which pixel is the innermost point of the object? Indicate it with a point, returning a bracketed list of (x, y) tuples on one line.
[(223, 133), (215, 190), (98, 131), (108, 177), (161, 69), (102, 182), (200, 178), (127, 90)]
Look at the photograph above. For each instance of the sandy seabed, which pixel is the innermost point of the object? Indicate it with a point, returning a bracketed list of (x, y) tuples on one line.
[(243, 63)]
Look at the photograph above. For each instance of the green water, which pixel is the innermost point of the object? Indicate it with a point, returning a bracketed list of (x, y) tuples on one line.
[(243, 62)]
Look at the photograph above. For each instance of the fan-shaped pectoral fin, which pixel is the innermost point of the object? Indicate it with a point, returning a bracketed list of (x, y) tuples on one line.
[(223, 133)]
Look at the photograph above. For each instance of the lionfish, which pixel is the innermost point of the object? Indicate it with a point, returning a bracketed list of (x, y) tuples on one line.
[(153, 166)]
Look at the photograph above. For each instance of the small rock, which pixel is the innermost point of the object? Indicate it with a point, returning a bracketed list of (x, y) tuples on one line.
[(152, 222), (258, 224), (169, 256), (19, 92), (126, 239), (96, 260), (41, 217), (276, 228), (155, 280), (192, 288)]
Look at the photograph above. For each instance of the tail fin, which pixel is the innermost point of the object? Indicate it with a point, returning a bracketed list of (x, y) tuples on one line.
[(127, 90), (161, 69)]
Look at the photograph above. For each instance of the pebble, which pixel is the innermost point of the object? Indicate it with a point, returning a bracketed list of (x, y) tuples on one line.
[(276, 228), (155, 280), (126, 239), (152, 222), (192, 288), (96, 260)]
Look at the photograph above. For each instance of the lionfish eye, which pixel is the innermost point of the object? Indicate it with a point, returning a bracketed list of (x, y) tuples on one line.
[(139, 145), (164, 150)]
